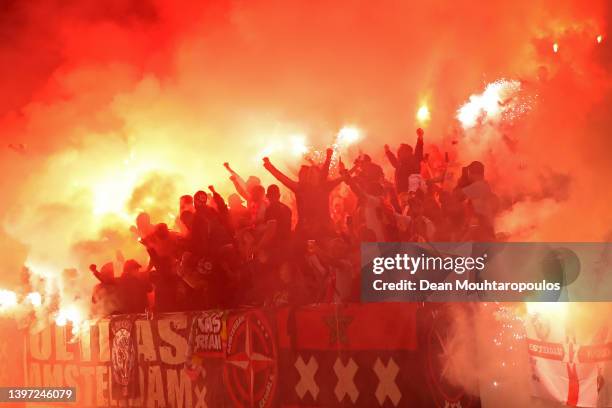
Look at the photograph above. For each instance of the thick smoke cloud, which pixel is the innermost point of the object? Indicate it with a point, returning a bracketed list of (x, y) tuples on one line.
[(118, 106), (100, 96)]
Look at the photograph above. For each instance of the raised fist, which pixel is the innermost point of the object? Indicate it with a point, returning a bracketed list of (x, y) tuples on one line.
[(266, 160), (420, 132)]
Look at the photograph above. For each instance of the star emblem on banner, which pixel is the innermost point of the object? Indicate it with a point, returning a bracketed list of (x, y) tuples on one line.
[(251, 363), (338, 326)]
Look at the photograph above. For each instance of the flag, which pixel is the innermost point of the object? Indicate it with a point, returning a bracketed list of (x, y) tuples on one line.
[(124, 357)]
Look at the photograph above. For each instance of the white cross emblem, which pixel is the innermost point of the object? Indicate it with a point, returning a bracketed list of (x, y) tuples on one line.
[(200, 394), (307, 381), (386, 382), (346, 383)]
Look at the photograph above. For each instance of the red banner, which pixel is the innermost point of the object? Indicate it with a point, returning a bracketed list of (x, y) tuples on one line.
[(327, 355)]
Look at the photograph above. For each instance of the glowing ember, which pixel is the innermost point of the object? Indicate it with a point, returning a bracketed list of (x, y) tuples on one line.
[(599, 39), (8, 299), (555, 47), (423, 114)]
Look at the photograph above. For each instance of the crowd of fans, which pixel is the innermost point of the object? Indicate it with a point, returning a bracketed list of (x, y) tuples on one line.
[(265, 252)]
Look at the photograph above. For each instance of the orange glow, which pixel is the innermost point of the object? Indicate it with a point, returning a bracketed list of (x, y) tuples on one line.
[(92, 135)]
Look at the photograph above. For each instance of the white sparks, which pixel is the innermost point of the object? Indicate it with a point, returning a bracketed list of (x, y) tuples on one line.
[(497, 99)]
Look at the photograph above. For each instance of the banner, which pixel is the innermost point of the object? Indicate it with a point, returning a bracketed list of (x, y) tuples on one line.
[(324, 355), (12, 355), (354, 355), (564, 370), (124, 370)]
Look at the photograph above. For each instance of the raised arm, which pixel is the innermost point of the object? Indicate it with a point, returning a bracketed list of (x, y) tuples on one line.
[(219, 201), (344, 174), (390, 156), (355, 188), (331, 184), (99, 276), (418, 150), (280, 176), (239, 183), (326, 164), (94, 269)]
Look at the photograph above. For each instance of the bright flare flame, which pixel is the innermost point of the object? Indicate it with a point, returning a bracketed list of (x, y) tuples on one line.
[(555, 47), (348, 135), (113, 190), (69, 314), (488, 105), (554, 311), (423, 114), (34, 298), (599, 39), (298, 145), (8, 299)]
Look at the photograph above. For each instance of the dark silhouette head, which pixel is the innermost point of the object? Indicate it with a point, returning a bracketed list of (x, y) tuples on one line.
[(404, 152), (273, 193), (258, 193), (234, 201), (199, 200), (131, 267), (185, 202), (475, 171)]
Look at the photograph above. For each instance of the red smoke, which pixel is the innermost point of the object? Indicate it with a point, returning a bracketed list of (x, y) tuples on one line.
[(101, 97)]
